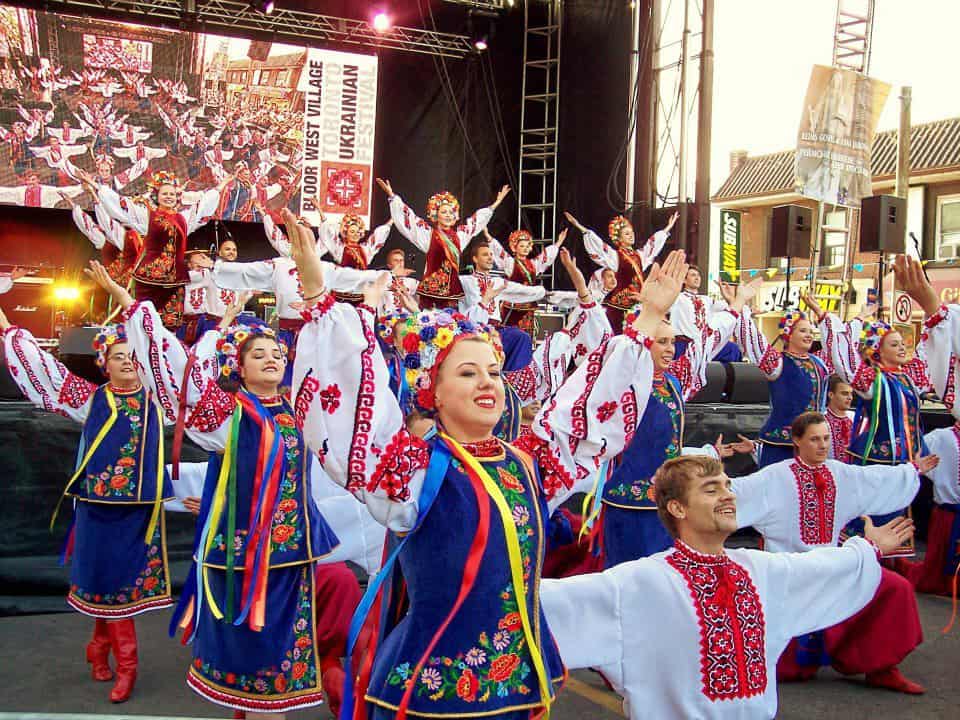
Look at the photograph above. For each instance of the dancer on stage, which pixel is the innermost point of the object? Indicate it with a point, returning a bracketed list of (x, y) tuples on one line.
[(690, 313), (630, 526), (401, 283), (520, 268), (441, 239), (804, 503), (118, 538), (706, 624), (478, 646), (248, 603), (119, 246), (485, 295), (627, 262), (940, 347), (161, 272), (348, 249), (839, 400)]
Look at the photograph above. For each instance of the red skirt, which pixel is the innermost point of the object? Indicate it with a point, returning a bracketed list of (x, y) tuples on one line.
[(929, 576), (338, 594)]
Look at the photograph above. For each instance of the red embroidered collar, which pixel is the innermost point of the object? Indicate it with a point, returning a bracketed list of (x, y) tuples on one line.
[(732, 629), (484, 449), (125, 391), (817, 496)]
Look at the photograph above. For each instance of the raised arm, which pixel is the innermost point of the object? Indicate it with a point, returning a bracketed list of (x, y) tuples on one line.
[(501, 257), (125, 211), (203, 211), (88, 227), (278, 241), (548, 255), (601, 253), (244, 276), (407, 222), (755, 346), (114, 232), (376, 240), (43, 379), (478, 222)]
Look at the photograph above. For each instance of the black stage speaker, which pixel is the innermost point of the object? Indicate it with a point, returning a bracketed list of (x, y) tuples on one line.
[(76, 352), (883, 224), (750, 386), (29, 305), (548, 323), (790, 228), (717, 387)]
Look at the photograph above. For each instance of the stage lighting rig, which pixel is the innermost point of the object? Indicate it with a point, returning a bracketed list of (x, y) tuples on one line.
[(381, 22), (263, 6)]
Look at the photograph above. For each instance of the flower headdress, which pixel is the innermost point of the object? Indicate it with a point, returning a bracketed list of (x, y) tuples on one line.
[(516, 237), (424, 339), (108, 336), (161, 178), (871, 338), (351, 219), (617, 226), (789, 321), (230, 345), (441, 198)]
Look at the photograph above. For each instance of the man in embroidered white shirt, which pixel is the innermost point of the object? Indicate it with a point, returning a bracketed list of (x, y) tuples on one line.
[(804, 503), (839, 400), (695, 632)]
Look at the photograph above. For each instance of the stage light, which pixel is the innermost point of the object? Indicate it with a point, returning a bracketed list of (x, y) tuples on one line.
[(381, 22), (264, 6), (66, 293), (480, 44)]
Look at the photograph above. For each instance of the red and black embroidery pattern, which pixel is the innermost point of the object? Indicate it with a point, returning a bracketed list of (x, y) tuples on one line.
[(732, 628), (75, 391), (404, 455), (363, 415), (213, 409), (817, 493), (770, 361)]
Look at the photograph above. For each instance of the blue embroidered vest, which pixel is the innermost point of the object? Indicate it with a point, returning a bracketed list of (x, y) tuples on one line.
[(659, 438), (125, 467), (481, 664), (298, 533), (802, 386), (896, 419)]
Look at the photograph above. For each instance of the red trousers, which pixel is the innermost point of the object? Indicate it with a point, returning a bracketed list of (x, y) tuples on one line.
[(338, 594), (928, 576), (876, 638)]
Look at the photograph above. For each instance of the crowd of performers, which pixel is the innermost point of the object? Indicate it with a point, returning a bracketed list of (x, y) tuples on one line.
[(428, 405)]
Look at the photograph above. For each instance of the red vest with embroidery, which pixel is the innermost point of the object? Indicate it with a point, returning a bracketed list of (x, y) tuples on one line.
[(732, 629), (841, 429), (162, 260), (817, 496), (441, 277), (629, 278), (353, 257), (523, 273)]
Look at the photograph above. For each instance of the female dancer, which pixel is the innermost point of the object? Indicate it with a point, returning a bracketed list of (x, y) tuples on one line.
[(119, 566), (248, 604), (348, 248), (441, 239), (477, 646)]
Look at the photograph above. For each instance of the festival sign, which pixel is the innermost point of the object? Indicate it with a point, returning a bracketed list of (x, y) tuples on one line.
[(729, 245), (339, 125), (122, 101), (840, 114)]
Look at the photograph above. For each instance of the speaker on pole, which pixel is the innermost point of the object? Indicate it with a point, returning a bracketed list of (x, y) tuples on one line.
[(883, 224), (790, 228)]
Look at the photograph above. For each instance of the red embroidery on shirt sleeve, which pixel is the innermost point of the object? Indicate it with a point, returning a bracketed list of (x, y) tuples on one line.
[(212, 410)]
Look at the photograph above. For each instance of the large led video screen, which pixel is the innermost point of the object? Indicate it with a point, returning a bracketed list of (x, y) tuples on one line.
[(275, 125)]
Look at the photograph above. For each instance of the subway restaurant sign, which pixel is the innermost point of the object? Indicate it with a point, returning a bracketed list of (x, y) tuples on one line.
[(729, 245)]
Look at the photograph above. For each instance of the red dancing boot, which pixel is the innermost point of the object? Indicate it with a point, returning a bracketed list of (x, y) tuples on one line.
[(239, 715), (893, 679), (98, 651), (332, 678), (123, 640)]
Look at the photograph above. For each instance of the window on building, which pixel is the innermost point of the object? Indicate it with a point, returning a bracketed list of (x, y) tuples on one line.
[(948, 227), (256, 76), (834, 243)]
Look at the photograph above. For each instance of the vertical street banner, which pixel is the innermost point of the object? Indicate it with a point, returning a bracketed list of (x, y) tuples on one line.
[(729, 245), (840, 114), (339, 125)]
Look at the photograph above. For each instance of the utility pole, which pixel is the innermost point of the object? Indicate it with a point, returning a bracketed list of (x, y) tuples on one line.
[(903, 143), (701, 194)]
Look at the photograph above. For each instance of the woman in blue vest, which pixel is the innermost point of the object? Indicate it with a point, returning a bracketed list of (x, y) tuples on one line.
[(467, 511), (118, 541), (248, 603)]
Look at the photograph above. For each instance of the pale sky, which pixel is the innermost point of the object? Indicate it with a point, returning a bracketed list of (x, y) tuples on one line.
[(764, 50)]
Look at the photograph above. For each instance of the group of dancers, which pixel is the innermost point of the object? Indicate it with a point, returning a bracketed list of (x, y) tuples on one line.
[(429, 404)]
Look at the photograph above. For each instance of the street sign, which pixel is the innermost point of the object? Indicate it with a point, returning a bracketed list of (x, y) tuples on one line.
[(903, 308)]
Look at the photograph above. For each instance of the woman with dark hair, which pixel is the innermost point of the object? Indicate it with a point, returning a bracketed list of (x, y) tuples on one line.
[(248, 603), (118, 536), (461, 504)]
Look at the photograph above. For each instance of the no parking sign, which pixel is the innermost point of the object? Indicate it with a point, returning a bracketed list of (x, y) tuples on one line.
[(903, 308)]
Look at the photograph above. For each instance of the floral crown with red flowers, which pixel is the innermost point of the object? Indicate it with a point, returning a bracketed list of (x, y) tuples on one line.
[(617, 226), (424, 339), (789, 321), (230, 345), (161, 178), (516, 237), (352, 219), (108, 336), (871, 336), (436, 201)]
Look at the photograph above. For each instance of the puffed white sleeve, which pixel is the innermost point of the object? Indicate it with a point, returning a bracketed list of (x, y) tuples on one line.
[(376, 240), (43, 379), (841, 343), (501, 257), (473, 225), (413, 228), (755, 346), (132, 214), (6, 284), (244, 276), (546, 258), (203, 211), (516, 293), (89, 227), (601, 253), (653, 247), (691, 368), (161, 362), (470, 304), (349, 417), (344, 279), (821, 587), (593, 416), (329, 238), (879, 489), (115, 232), (275, 236), (753, 501), (940, 347)]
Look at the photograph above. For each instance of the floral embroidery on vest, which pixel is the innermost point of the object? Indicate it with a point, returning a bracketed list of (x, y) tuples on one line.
[(732, 629), (817, 493), (286, 533), (119, 479)]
